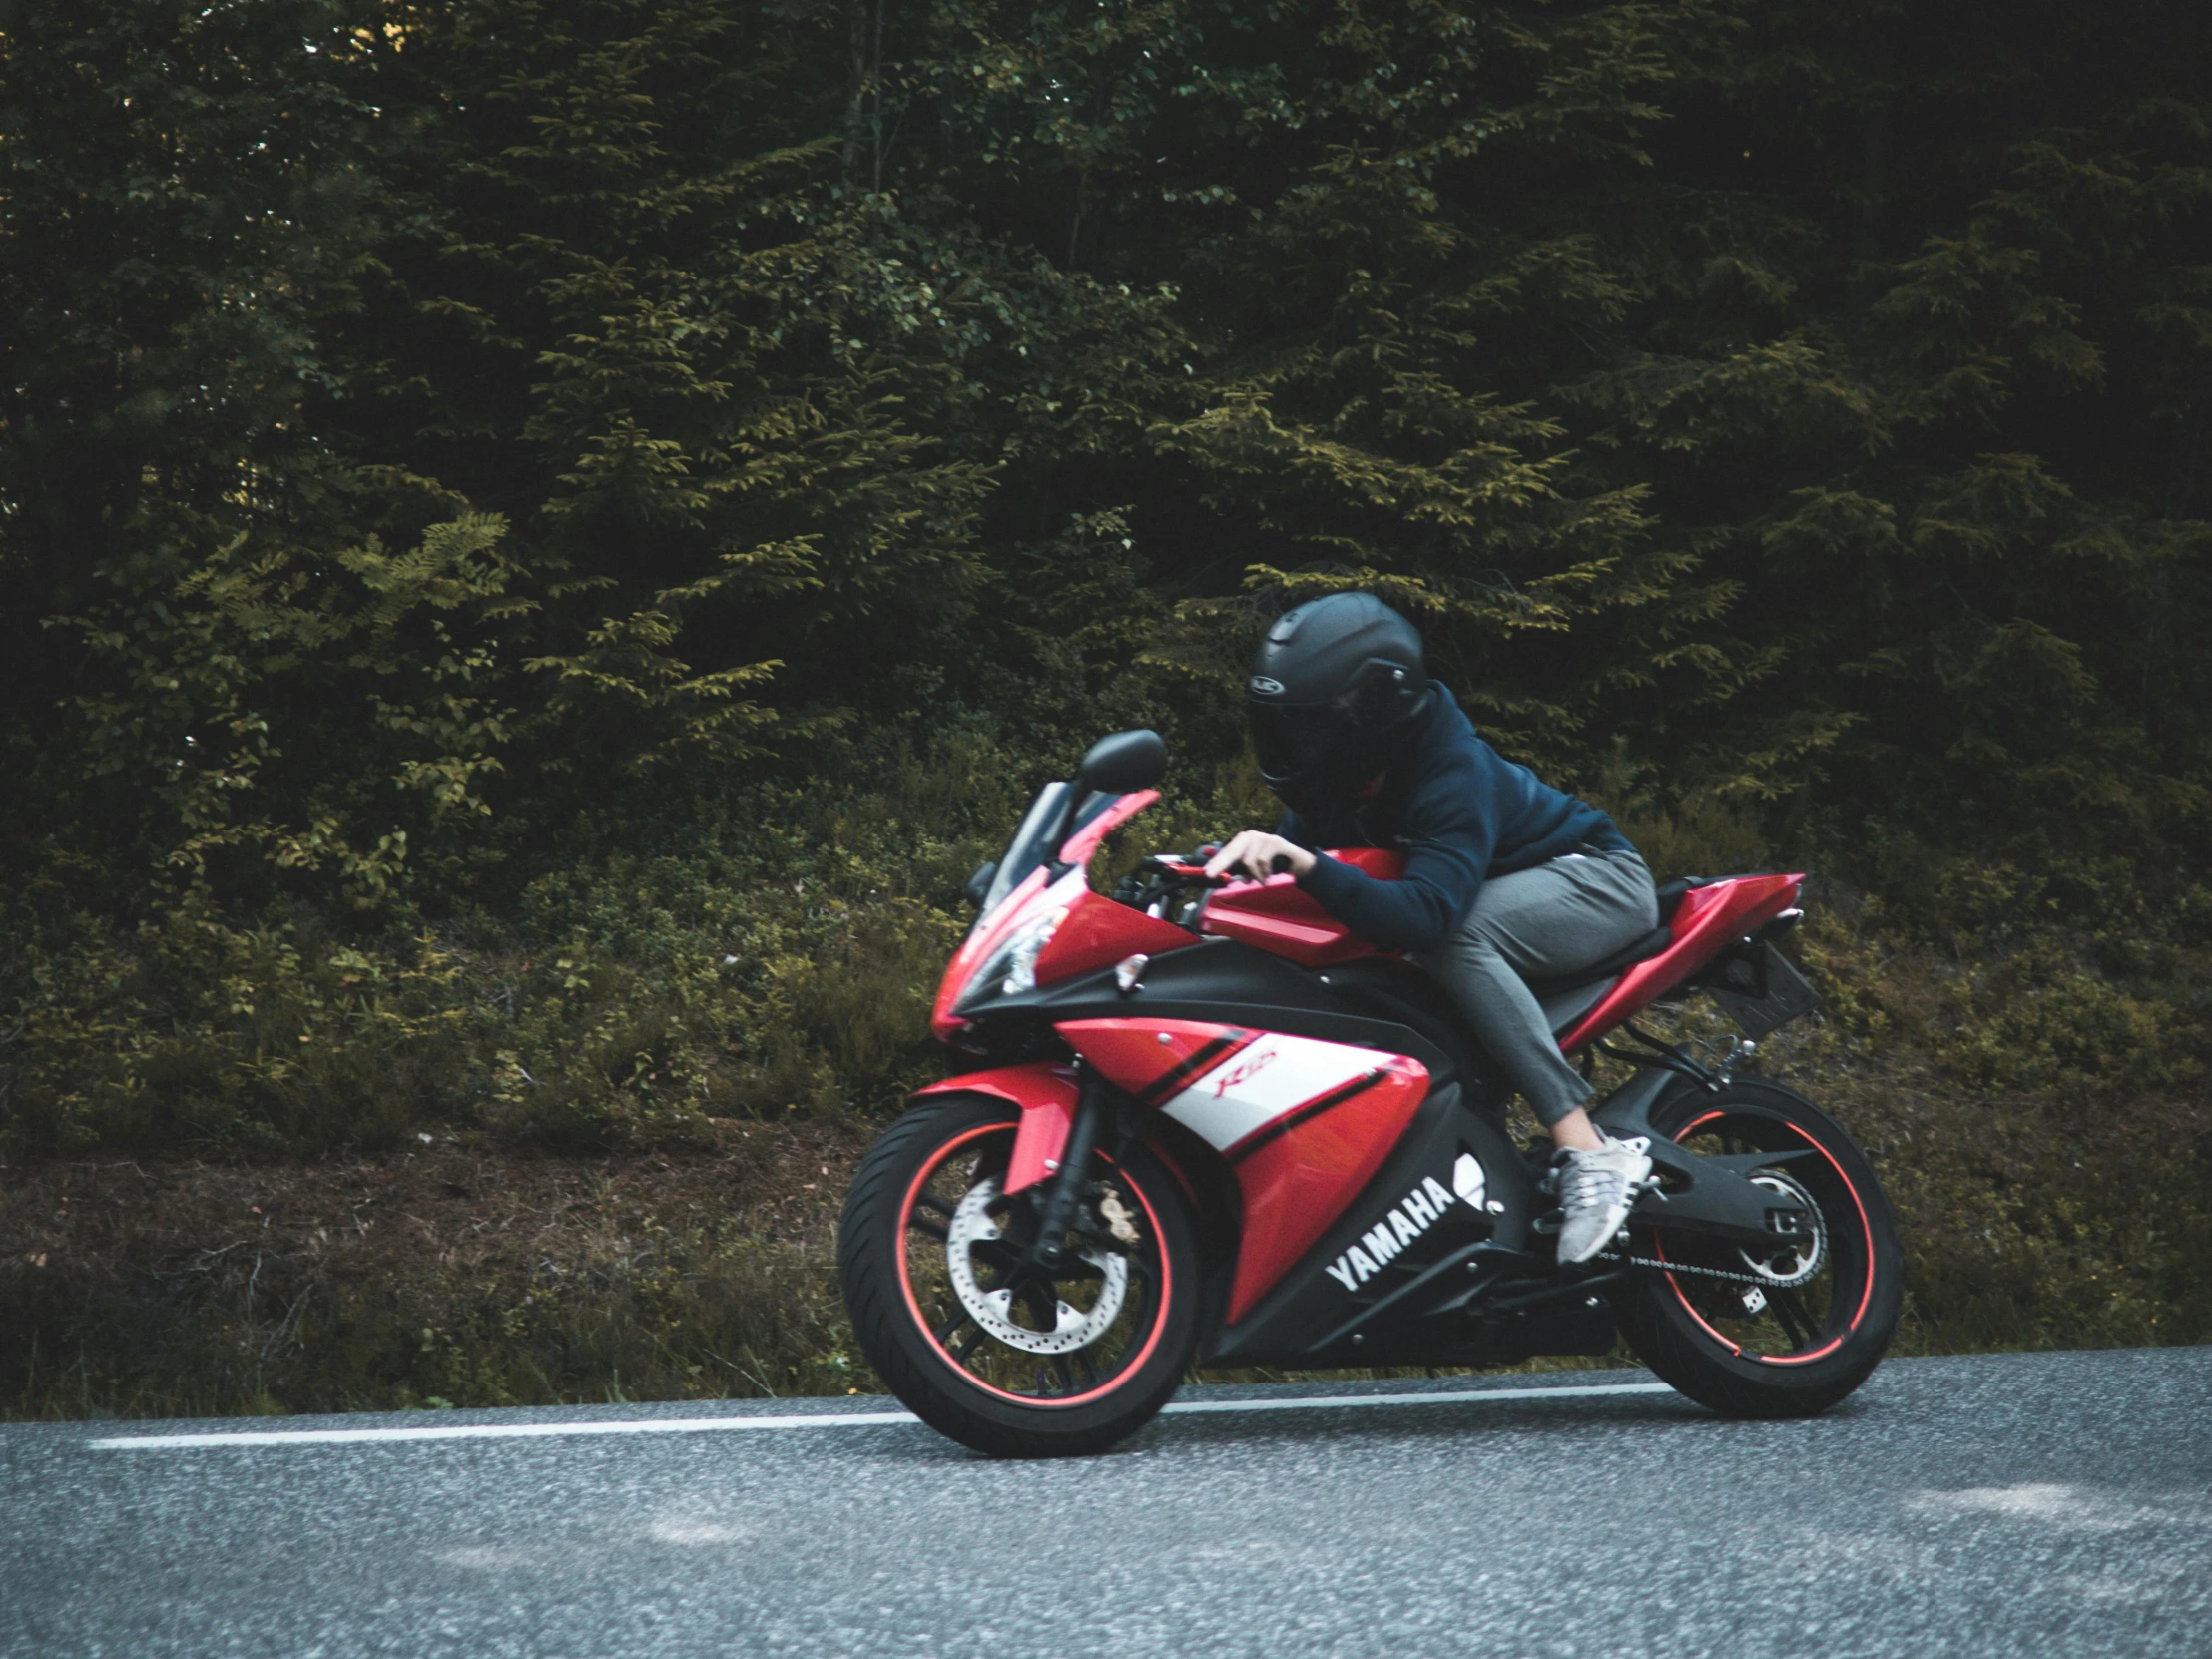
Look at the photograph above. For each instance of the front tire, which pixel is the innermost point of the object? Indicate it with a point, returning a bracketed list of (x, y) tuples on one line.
[(1790, 1334), (989, 1351)]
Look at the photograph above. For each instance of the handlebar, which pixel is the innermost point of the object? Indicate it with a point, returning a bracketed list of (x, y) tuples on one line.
[(1152, 887), (1185, 867), (1191, 866)]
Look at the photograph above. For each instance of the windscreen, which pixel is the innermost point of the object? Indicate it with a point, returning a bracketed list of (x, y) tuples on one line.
[(1034, 843)]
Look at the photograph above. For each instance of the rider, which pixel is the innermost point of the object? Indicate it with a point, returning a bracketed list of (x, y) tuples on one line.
[(1504, 876)]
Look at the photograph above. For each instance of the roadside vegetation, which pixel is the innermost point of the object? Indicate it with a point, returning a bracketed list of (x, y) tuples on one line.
[(460, 1189), (540, 544)]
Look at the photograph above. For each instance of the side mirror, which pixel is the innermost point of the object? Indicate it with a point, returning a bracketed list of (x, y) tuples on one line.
[(1123, 763)]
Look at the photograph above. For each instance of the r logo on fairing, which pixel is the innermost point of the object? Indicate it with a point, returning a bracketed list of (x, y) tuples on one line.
[(1407, 1220), (1243, 1069), (1262, 686)]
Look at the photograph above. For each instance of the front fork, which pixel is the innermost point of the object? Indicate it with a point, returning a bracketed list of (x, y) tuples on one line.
[(1102, 1114)]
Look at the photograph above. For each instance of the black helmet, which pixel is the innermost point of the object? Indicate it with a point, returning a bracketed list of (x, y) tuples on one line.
[(1333, 679)]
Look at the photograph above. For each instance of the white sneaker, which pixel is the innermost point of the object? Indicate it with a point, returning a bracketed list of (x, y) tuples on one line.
[(1595, 1190)]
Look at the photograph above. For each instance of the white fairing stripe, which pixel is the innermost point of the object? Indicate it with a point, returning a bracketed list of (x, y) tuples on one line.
[(1259, 1083)]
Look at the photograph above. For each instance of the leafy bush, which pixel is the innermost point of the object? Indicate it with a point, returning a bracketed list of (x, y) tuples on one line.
[(538, 543)]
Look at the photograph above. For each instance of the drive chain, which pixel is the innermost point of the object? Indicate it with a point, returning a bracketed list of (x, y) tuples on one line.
[(1763, 1281)]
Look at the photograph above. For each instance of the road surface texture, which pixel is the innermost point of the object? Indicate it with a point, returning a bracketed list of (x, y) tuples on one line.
[(2013, 1505)]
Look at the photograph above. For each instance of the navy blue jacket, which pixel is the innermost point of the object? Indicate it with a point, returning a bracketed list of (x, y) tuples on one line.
[(1461, 813)]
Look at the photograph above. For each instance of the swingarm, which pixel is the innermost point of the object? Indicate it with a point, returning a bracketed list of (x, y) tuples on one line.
[(1710, 1194)]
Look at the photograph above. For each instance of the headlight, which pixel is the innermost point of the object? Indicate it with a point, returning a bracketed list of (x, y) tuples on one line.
[(1029, 944), (1013, 968)]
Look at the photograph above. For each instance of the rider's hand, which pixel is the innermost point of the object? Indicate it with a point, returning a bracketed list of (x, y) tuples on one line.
[(1253, 853)]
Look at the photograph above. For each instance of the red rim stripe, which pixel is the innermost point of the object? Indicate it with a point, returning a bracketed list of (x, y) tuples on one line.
[(1866, 1231), (921, 1321)]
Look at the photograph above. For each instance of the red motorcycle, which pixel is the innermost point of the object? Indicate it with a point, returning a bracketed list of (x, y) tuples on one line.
[(1199, 1123)]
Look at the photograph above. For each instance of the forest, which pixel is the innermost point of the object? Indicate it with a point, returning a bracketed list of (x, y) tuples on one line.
[(541, 540)]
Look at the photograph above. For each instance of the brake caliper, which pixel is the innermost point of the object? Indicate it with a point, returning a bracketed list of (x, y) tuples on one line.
[(1119, 1221)]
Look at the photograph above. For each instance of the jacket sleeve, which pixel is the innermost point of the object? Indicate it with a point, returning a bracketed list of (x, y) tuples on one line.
[(1451, 832)]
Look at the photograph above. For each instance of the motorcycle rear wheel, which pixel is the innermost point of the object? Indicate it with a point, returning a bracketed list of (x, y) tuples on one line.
[(1754, 1343), (986, 1349)]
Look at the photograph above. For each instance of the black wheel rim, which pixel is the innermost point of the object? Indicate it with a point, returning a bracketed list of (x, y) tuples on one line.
[(1746, 1307), (999, 1345)]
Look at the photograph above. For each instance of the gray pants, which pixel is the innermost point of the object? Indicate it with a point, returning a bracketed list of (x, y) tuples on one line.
[(1539, 924)]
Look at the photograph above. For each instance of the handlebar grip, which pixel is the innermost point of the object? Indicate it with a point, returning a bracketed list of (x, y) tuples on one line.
[(1281, 864)]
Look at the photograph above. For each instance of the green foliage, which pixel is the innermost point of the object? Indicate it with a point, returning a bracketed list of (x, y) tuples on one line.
[(540, 539), (192, 1031), (769, 953), (1756, 388), (223, 700)]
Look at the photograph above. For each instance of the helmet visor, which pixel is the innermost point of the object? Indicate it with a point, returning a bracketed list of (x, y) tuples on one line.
[(1290, 737)]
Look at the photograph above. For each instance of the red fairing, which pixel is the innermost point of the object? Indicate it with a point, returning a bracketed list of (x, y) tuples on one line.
[(1097, 932), (1304, 1123), (1046, 1095), (1092, 933), (1297, 1180), (979, 948), (1278, 916), (1152, 1058), (1709, 920)]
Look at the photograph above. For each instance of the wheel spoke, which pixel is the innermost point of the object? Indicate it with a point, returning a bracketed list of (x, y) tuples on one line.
[(964, 1317), (995, 1253), (1790, 1310), (995, 1313), (1043, 1304)]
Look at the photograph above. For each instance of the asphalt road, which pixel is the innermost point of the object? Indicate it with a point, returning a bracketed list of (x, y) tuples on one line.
[(2021, 1504)]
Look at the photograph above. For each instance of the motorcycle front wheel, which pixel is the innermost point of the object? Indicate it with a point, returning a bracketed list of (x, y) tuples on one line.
[(1785, 1335), (990, 1349)]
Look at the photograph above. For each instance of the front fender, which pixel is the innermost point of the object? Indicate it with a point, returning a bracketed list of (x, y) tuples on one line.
[(1045, 1091)]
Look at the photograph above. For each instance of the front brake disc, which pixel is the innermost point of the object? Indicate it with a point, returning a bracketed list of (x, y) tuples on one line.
[(993, 1308)]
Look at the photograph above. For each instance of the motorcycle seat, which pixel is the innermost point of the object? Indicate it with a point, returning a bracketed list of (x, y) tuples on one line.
[(1408, 994), (1672, 894), (1611, 967)]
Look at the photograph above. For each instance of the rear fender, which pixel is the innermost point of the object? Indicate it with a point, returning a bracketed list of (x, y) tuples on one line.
[(1708, 920), (1046, 1092)]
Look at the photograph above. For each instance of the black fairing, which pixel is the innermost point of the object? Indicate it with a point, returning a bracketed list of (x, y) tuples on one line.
[(1427, 1303), (1386, 1004), (1423, 1301)]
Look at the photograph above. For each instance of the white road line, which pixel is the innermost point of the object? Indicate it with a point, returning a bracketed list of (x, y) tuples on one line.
[(826, 1419), (1312, 1401), (493, 1431)]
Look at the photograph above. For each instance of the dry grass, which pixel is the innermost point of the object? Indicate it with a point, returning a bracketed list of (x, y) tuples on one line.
[(2063, 1204), (449, 1274)]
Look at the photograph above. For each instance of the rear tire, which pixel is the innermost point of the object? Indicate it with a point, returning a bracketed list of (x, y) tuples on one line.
[(1770, 1349), (993, 1353)]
